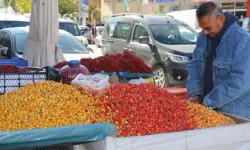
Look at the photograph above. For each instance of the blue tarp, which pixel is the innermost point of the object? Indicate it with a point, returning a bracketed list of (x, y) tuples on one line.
[(16, 61), (59, 135)]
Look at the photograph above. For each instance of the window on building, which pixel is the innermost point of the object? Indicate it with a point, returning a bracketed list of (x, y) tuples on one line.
[(139, 31), (106, 1), (161, 9)]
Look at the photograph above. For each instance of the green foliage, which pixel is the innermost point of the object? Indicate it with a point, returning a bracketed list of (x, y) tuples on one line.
[(24, 6), (96, 14), (8, 3), (67, 7)]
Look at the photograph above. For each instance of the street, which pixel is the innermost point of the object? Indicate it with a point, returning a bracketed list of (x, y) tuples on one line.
[(97, 51)]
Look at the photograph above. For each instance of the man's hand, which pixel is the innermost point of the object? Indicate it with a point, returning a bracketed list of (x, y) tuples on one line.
[(195, 99)]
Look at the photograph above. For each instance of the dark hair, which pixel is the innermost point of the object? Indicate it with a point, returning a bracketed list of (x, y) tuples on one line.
[(208, 9)]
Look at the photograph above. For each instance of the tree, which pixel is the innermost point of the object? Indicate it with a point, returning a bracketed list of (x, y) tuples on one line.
[(92, 7), (96, 15), (66, 6), (24, 6), (11, 3)]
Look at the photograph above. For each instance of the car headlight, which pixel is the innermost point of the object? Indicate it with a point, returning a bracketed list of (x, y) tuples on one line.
[(178, 58)]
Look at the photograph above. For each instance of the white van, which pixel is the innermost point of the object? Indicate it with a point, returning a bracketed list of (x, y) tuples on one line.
[(188, 17), (8, 21)]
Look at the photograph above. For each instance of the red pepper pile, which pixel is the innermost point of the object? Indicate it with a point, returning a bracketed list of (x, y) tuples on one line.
[(12, 69), (126, 62), (145, 109)]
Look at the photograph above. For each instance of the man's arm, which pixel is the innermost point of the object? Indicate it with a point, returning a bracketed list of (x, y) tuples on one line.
[(237, 84), (194, 79)]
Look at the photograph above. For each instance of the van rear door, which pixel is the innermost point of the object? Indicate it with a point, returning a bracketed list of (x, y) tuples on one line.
[(115, 37)]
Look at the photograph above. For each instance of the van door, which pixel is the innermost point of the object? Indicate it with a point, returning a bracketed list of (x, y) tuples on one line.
[(141, 50), (116, 37)]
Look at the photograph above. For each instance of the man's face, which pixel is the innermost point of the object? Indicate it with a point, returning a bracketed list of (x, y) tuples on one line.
[(211, 25)]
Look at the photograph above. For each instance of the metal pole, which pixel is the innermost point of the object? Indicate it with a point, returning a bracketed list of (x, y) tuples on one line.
[(179, 4), (113, 6)]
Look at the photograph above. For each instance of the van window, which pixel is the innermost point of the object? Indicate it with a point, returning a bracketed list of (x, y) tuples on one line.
[(111, 27), (9, 24), (139, 31), (121, 30), (69, 27)]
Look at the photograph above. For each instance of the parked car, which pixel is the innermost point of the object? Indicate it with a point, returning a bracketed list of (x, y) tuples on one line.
[(86, 32), (71, 27), (67, 25), (8, 21), (164, 43), (13, 41)]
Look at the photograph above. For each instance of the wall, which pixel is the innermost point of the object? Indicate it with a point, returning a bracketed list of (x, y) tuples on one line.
[(136, 6)]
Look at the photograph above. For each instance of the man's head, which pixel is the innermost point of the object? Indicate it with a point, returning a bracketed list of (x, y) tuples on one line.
[(211, 18)]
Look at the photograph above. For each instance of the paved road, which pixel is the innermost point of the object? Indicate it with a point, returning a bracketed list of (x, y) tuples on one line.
[(97, 51)]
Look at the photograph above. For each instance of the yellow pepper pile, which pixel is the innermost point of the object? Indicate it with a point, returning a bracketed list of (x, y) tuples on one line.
[(51, 104), (204, 117), (46, 104)]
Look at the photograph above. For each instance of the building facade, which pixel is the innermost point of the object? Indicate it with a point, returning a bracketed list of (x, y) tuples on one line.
[(110, 7)]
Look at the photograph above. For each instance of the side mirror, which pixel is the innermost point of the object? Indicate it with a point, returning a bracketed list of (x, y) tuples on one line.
[(4, 51), (143, 39)]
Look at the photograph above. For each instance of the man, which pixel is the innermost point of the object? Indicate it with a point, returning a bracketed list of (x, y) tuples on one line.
[(219, 73)]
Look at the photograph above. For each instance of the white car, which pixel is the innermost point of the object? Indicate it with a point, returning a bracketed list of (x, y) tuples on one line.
[(64, 24), (8, 21), (71, 27), (14, 40)]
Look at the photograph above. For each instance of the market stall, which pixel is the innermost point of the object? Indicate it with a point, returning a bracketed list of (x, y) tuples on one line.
[(106, 104), (232, 137)]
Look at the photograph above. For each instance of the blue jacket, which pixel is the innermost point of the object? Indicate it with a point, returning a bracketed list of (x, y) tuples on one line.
[(231, 72)]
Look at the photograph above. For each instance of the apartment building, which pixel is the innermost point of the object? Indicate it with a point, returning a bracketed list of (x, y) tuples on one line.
[(110, 7)]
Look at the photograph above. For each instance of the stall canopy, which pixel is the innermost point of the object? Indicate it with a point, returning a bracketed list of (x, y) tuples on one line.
[(42, 46)]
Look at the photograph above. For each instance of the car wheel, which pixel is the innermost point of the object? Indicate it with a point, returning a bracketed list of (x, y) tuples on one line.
[(160, 79)]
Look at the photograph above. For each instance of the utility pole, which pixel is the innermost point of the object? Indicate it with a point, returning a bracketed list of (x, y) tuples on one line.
[(138, 6), (179, 5), (113, 6)]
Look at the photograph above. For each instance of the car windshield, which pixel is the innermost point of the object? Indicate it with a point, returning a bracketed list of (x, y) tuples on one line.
[(67, 43), (9, 24), (69, 27), (174, 34)]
